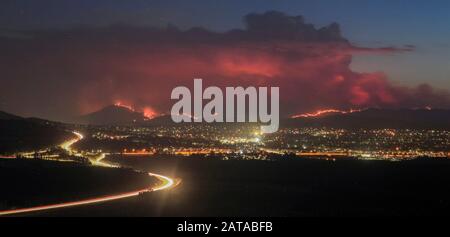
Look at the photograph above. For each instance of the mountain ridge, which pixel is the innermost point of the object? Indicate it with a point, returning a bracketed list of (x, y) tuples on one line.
[(112, 115), (378, 118)]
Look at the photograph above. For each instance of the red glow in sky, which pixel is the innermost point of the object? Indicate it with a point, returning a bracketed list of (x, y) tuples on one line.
[(95, 66)]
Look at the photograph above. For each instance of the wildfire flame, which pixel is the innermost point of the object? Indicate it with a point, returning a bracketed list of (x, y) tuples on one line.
[(147, 111), (325, 111), (120, 104)]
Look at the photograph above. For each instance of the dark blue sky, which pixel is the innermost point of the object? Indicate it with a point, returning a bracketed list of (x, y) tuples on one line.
[(368, 23), (364, 20)]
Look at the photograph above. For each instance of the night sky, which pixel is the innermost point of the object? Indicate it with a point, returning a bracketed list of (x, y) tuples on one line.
[(61, 59)]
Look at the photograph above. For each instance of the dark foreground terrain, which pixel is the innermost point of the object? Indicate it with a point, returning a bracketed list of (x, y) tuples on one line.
[(26, 183), (286, 188)]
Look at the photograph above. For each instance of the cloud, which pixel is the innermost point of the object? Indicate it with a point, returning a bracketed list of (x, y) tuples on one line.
[(61, 73)]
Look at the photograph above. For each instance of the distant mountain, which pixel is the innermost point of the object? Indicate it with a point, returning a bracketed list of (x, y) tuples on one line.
[(112, 115), (378, 118), (370, 119)]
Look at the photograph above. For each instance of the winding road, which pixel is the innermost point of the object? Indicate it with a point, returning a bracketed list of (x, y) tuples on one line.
[(166, 183)]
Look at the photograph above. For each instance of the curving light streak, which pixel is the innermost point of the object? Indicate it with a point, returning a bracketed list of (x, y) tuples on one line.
[(67, 145), (70, 204), (166, 183)]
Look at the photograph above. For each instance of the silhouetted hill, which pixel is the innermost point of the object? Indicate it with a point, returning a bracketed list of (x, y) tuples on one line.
[(378, 118), (7, 116), (112, 115), (22, 134)]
